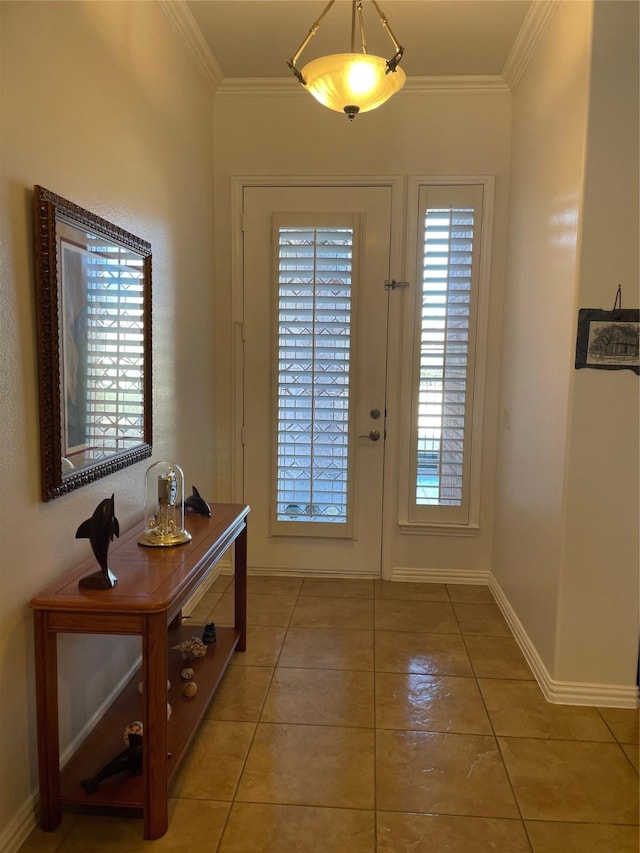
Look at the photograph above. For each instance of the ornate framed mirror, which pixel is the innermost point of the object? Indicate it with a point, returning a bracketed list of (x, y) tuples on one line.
[(93, 301)]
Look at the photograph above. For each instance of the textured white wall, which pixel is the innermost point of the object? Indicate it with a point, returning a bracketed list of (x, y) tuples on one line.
[(548, 141), (566, 534), (598, 627), (101, 104)]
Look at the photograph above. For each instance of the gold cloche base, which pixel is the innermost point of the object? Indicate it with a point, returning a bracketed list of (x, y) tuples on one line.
[(165, 540)]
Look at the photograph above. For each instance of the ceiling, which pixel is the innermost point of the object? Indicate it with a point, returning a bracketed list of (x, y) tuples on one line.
[(255, 38)]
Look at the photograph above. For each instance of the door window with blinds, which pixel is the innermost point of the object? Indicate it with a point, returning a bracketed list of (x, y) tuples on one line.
[(316, 271), (440, 474)]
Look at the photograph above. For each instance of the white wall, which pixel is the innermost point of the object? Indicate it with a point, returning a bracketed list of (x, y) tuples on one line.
[(566, 532), (101, 104), (598, 627), (548, 140), (422, 134)]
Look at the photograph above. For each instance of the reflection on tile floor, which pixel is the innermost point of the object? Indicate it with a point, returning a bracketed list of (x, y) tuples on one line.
[(376, 717)]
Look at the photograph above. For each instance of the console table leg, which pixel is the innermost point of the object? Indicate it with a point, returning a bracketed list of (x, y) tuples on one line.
[(46, 673), (240, 559), (155, 757)]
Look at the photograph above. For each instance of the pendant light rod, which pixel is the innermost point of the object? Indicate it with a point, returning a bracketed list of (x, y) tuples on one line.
[(353, 27), (314, 29), (385, 24), (363, 38)]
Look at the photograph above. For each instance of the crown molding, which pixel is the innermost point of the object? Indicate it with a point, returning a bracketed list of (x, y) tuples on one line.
[(414, 86), (180, 17), (527, 40), (477, 84), (184, 23)]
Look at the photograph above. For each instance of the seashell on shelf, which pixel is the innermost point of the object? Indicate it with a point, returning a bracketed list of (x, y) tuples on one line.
[(187, 673), (191, 648), (190, 689), (135, 728)]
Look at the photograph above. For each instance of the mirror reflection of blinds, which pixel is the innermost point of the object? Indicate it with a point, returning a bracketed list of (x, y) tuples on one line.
[(313, 366), (115, 349), (444, 352)]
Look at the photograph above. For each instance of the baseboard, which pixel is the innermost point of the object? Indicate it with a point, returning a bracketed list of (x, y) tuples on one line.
[(20, 826), (601, 695), (562, 692), (258, 571), (398, 573)]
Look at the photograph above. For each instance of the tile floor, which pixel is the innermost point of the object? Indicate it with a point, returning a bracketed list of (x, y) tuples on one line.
[(377, 717)]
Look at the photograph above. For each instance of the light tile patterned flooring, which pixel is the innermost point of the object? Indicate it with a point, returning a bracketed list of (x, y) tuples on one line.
[(377, 717)]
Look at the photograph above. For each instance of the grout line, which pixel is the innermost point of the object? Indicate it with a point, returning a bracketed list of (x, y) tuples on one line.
[(504, 765)]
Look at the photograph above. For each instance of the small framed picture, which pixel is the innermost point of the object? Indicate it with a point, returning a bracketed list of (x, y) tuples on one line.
[(608, 340)]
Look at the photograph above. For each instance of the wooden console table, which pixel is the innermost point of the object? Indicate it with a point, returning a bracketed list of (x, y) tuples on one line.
[(153, 585)]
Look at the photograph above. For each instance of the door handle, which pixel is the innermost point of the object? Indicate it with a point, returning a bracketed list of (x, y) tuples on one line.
[(372, 435)]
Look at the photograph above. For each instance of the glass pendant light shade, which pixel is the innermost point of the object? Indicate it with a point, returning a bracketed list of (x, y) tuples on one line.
[(352, 83)]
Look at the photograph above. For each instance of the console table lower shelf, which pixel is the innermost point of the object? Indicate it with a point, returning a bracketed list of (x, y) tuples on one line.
[(105, 740)]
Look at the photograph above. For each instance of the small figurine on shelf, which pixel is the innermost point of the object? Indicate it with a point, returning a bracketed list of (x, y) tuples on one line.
[(100, 530), (209, 634), (196, 504), (127, 761)]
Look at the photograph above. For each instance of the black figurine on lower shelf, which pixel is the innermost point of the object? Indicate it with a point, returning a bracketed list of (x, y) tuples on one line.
[(128, 761), (209, 634)]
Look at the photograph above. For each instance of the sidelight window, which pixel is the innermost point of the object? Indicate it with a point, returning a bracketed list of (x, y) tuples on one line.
[(441, 483)]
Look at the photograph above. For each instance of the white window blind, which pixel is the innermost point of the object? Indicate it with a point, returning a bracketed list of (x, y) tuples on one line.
[(444, 351), (445, 346), (313, 373)]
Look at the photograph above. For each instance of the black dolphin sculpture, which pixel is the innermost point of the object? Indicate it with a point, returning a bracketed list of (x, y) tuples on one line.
[(100, 530), (128, 761), (196, 504)]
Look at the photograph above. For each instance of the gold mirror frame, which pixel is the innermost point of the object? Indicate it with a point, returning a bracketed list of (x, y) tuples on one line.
[(95, 372)]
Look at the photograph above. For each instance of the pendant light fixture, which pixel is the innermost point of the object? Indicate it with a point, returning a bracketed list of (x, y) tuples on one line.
[(351, 82)]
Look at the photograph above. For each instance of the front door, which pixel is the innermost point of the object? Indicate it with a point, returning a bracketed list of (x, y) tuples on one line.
[(315, 261)]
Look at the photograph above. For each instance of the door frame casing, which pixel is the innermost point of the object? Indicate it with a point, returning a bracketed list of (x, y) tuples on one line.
[(481, 332)]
